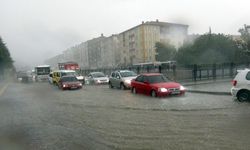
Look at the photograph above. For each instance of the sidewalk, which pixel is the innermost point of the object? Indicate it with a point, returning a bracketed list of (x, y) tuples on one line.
[(217, 87)]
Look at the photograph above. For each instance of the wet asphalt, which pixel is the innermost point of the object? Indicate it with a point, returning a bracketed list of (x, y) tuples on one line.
[(39, 116)]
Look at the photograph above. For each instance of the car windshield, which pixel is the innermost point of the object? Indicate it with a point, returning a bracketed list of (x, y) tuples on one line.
[(69, 74), (98, 75), (128, 74), (69, 79), (157, 79)]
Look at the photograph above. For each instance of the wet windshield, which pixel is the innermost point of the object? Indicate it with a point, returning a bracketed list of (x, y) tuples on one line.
[(128, 74), (42, 71), (69, 79), (98, 75), (69, 73)]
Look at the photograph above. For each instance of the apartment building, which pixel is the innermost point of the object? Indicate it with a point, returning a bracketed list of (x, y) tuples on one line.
[(138, 43), (135, 45)]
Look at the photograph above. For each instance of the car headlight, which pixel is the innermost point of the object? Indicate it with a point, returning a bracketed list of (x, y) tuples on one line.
[(163, 89), (128, 81), (64, 85), (80, 84), (97, 81), (182, 88)]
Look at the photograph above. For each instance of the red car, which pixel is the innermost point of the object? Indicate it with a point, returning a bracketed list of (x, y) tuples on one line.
[(69, 82), (156, 84)]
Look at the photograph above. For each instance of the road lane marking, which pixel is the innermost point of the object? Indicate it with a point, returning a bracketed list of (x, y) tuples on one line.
[(3, 89)]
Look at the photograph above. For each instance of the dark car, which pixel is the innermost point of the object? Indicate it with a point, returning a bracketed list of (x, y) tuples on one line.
[(69, 82), (156, 84)]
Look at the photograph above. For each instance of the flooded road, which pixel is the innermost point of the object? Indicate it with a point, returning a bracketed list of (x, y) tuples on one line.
[(40, 116)]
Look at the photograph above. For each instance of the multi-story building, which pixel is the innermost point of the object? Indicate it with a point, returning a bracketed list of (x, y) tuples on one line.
[(95, 48), (138, 43), (110, 52)]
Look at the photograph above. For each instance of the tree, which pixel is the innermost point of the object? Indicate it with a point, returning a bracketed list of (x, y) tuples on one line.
[(244, 44), (165, 51), (5, 58), (208, 49)]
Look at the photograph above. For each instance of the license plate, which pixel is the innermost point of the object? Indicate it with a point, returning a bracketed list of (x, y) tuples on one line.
[(175, 92)]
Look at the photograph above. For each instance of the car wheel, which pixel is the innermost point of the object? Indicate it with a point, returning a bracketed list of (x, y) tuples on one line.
[(243, 96), (110, 85), (133, 90), (122, 86), (153, 93)]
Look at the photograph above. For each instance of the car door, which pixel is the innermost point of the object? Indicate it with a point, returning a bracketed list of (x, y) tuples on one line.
[(146, 85), (117, 80), (111, 78), (139, 84), (248, 80)]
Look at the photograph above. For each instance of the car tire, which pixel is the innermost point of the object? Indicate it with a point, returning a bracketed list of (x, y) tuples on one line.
[(110, 85), (133, 90), (122, 86), (153, 93), (243, 96)]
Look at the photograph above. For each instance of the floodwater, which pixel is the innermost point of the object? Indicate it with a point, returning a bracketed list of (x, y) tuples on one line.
[(40, 116)]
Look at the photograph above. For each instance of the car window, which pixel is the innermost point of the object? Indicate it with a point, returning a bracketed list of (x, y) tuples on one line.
[(112, 74), (117, 75), (128, 74), (248, 76), (139, 78), (98, 75), (157, 79), (69, 79)]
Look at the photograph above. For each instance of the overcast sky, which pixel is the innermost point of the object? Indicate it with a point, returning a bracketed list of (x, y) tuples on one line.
[(38, 29)]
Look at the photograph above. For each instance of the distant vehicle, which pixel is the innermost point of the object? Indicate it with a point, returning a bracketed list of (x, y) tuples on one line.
[(156, 63), (56, 76), (69, 82), (24, 76), (241, 85), (121, 79), (150, 65), (72, 66), (42, 72), (156, 85), (68, 66), (96, 78)]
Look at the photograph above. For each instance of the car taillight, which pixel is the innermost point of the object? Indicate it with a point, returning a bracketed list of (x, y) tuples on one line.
[(234, 82)]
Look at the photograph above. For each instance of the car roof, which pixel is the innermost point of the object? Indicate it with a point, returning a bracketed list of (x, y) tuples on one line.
[(151, 74)]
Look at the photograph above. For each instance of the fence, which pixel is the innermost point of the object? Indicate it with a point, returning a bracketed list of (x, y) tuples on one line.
[(180, 72)]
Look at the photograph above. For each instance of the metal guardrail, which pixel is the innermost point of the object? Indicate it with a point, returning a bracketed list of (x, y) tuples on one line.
[(180, 72)]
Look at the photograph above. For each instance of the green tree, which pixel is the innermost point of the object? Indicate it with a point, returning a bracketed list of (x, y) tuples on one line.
[(207, 49), (5, 58), (165, 51)]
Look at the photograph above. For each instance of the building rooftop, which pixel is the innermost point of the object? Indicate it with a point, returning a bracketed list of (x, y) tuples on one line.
[(156, 23)]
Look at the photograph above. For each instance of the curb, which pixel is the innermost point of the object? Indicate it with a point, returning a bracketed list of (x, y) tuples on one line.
[(209, 92), (208, 82)]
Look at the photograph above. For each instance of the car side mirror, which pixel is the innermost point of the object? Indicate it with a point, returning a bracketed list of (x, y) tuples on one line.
[(146, 82)]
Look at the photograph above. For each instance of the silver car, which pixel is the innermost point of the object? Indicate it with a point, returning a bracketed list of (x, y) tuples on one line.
[(121, 79), (96, 78)]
